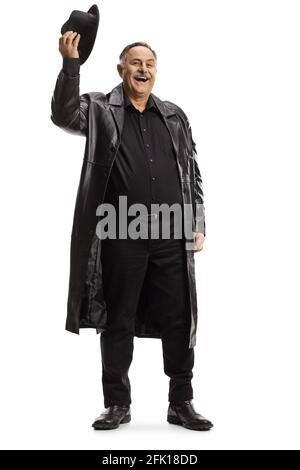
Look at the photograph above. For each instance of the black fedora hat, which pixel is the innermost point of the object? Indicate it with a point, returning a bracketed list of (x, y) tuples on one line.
[(86, 24)]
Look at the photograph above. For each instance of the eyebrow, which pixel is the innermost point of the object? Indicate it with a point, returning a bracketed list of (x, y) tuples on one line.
[(147, 60)]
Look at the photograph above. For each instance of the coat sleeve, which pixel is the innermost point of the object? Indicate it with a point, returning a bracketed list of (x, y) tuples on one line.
[(69, 109), (199, 216)]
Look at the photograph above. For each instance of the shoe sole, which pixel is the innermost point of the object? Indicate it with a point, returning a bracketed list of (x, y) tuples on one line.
[(175, 420), (103, 426)]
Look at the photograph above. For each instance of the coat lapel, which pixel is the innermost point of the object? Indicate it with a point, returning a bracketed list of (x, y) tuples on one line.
[(116, 102), (171, 121)]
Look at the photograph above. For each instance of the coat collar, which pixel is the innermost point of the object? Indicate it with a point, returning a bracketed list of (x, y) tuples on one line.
[(116, 98)]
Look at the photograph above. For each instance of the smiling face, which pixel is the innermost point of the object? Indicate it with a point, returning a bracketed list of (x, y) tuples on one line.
[(138, 72)]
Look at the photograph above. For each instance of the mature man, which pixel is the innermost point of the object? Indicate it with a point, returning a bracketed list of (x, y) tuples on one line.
[(140, 148)]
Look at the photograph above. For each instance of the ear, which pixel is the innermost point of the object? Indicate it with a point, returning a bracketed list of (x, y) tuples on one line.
[(120, 70)]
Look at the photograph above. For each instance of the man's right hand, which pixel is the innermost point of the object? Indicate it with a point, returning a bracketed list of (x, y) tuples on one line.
[(68, 46)]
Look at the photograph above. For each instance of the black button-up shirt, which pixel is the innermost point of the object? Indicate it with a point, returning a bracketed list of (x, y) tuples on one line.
[(145, 168)]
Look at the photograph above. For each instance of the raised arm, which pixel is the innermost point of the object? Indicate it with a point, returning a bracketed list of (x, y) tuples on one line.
[(69, 109)]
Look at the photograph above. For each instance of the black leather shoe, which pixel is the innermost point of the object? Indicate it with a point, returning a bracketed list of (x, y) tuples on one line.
[(112, 417), (184, 414)]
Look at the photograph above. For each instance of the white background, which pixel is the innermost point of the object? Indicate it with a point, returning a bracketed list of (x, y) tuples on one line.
[(233, 66)]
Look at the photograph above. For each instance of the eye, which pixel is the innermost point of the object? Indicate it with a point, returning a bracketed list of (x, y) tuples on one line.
[(150, 65)]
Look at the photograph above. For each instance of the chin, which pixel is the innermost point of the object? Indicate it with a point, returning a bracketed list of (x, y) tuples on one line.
[(141, 92)]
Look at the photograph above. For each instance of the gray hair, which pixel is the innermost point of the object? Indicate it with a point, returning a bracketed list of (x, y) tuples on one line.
[(123, 54)]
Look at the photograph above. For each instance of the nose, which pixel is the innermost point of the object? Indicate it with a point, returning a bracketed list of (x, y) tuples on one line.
[(142, 68)]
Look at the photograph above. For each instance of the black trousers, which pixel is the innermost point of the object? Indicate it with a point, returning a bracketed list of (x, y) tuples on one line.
[(126, 265)]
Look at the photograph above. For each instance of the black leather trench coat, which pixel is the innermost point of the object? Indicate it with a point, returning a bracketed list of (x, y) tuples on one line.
[(99, 118)]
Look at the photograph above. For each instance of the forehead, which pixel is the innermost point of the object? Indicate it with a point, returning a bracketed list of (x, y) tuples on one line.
[(140, 52)]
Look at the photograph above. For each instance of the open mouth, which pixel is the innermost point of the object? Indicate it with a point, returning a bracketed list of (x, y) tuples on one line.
[(141, 79)]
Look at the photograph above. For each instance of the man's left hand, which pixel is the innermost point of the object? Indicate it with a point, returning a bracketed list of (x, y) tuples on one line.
[(198, 241)]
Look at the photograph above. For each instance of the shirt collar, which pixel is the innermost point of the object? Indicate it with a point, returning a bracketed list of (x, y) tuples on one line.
[(128, 104)]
